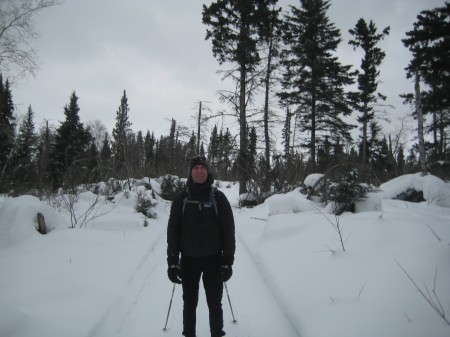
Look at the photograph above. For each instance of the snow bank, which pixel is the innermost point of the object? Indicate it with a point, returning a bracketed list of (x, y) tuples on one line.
[(110, 276), (18, 219), (372, 203), (435, 190), (312, 179), (292, 202)]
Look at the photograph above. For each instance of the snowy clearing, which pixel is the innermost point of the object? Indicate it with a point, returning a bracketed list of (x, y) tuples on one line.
[(291, 276)]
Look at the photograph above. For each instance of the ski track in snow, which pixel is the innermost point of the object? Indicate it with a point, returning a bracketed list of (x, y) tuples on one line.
[(139, 312)]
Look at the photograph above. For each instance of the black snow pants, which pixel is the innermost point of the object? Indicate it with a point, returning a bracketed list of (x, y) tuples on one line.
[(207, 268)]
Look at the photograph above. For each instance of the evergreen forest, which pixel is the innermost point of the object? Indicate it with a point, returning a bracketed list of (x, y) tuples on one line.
[(287, 76)]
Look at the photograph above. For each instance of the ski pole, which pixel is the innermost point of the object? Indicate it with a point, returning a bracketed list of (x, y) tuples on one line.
[(229, 301), (170, 306)]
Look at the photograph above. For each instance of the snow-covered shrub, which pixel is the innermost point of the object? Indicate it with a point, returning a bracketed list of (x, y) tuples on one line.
[(145, 205), (344, 192), (115, 185), (170, 186), (248, 200), (417, 188), (312, 183)]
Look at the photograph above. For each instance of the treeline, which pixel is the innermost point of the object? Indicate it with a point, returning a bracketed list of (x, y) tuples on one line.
[(74, 153), (289, 60)]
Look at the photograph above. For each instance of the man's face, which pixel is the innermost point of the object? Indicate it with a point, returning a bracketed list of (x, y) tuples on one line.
[(199, 174)]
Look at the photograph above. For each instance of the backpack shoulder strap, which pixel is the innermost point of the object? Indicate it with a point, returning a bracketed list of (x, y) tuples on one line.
[(213, 199), (186, 194)]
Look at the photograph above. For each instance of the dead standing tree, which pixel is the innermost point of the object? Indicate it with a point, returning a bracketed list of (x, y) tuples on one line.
[(16, 33)]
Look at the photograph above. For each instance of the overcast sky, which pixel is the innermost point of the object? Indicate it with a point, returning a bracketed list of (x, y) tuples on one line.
[(156, 51)]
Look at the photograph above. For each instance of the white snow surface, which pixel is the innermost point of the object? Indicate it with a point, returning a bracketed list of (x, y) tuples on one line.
[(291, 276), (435, 191), (312, 179)]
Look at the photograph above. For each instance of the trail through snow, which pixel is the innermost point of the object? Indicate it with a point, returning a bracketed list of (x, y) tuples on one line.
[(142, 308), (291, 276)]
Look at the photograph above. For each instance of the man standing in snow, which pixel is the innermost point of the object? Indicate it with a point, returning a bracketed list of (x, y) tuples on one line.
[(201, 229)]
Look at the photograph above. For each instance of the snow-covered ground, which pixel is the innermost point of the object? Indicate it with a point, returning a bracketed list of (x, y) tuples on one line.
[(291, 275)]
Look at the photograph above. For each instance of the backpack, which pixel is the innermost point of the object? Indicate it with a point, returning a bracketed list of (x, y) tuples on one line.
[(211, 203)]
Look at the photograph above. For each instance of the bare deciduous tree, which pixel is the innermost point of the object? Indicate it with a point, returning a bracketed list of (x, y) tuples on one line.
[(17, 57)]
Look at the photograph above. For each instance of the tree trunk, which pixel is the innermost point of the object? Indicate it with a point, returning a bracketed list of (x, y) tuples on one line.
[(423, 160), (242, 163), (198, 127), (266, 116), (313, 132), (42, 228), (364, 137)]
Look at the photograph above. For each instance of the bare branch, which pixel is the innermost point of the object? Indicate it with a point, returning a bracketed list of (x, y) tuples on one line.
[(434, 233), (16, 33), (435, 304)]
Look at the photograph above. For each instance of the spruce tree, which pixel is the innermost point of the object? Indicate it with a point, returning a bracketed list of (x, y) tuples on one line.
[(140, 155), (366, 37), (213, 147), (149, 151), (24, 161), (7, 132), (313, 79), (92, 163), (45, 140), (225, 150), (105, 157), (71, 141), (190, 148), (119, 137)]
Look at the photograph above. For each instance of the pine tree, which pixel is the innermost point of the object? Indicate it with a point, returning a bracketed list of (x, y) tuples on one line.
[(314, 79), (252, 152), (7, 132), (366, 37), (171, 147), (225, 154), (119, 135), (92, 163), (140, 155), (191, 148), (235, 28), (429, 42), (324, 160), (213, 147), (24, 161), (71, 141), (149, 151), (44, 154), (105, 157)]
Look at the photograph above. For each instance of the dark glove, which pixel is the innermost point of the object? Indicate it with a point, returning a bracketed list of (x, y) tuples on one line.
[(226, 260), (226, 272), (174, 273), (173, 259)]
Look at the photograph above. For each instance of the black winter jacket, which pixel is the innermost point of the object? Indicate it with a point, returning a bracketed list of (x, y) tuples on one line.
[(198, 231)]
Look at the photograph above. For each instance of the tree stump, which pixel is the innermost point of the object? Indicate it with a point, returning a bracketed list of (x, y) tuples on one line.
[(42, 228)]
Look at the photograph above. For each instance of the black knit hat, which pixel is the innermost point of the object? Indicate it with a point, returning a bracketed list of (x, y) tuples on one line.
[(198, 160)]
